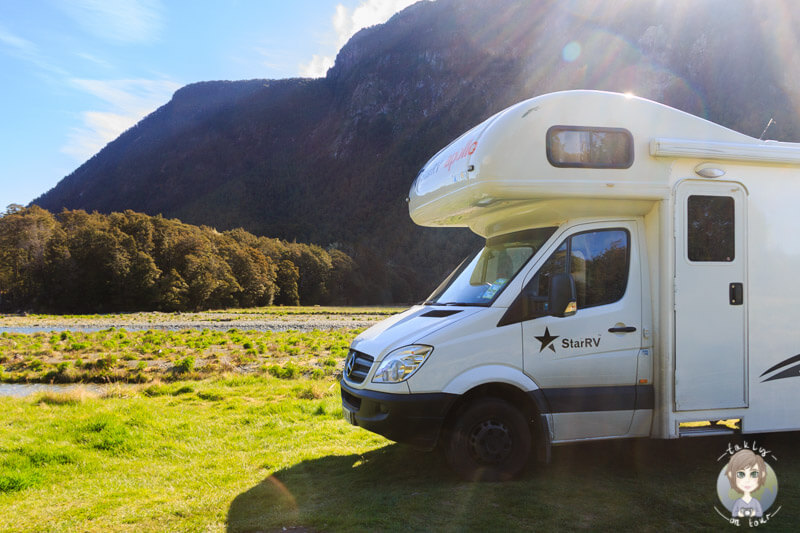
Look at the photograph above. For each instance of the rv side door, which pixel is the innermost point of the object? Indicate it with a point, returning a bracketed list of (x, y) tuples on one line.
[(586, 364), (710, 295)]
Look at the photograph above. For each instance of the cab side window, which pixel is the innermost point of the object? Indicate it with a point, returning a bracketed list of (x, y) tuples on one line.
[(555, 264), (598, 261)]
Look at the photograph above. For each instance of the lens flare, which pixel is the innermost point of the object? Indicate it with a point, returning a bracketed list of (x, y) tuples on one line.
[(571, 51)]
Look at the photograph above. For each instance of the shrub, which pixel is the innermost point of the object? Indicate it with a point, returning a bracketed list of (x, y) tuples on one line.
[(105, 363), (78, 346), (185, 365), (287, 371)]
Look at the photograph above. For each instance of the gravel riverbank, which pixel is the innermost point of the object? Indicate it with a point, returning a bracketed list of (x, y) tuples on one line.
[(269, 319)]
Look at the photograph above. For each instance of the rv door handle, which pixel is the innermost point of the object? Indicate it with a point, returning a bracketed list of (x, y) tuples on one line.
[(736, 292), (622, 329)]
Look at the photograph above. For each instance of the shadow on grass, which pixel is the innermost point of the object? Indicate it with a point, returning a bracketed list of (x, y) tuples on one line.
[(647, 485)]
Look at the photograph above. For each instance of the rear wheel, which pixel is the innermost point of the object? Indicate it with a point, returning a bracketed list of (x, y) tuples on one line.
[(489, 441)]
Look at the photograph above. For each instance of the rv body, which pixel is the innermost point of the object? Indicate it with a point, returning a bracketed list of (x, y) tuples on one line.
[(638, 278)]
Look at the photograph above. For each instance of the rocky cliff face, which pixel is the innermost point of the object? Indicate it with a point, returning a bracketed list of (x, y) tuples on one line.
[(331, 160)]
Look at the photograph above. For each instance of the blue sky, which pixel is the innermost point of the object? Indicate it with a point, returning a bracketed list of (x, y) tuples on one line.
[(77, 73)]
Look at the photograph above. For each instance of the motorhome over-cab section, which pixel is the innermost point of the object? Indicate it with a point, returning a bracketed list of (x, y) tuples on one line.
[(548, 156)]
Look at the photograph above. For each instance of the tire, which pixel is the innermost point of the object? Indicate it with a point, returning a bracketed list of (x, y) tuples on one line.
[(490, 440)]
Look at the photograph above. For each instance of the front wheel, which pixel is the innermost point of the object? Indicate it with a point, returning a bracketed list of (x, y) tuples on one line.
[(489, 441)]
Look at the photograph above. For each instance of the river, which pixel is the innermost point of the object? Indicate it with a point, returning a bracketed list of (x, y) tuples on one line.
[(20, 390)]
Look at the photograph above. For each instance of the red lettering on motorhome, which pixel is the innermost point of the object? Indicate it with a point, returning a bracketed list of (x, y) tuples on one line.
[(468, 149)]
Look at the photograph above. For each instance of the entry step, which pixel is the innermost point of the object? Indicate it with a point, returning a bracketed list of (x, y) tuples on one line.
[(709, 428), (705, 431)]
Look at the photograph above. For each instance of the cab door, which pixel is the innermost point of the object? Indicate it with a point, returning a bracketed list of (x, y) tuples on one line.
[(586, 364)]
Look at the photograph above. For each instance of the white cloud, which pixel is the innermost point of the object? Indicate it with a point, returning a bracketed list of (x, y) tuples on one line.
[(93, 59), (122, 21), (128, 101), (25, 50), (317, 67), (346, 22), (16, 42)]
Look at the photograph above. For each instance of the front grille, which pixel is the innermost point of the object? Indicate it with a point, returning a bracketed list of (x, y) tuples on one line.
[(357, 365), (351, 401)]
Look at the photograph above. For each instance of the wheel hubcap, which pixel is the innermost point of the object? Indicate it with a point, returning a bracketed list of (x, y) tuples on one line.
[(490, 442)]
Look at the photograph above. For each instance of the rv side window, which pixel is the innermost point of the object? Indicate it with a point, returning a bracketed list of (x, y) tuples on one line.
[(575, 146), (598, 261), (710, 229)]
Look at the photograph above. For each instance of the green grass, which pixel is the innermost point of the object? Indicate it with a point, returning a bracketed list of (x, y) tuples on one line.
[(144, 356), (258, 453), (241, 431), (161, 457)]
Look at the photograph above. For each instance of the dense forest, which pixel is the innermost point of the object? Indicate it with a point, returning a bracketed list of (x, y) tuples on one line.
[(80, 262)]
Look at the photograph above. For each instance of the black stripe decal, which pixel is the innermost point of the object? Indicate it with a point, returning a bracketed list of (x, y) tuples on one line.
[(594, 399), (791, 372), (786, 362)]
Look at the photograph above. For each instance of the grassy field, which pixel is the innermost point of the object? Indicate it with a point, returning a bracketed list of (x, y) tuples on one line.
[(143, 347), (257, 453), (113, 355), (162, 457), (267, 450)]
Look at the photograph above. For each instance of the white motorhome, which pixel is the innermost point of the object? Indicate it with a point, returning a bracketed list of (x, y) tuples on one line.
[(639, 276)]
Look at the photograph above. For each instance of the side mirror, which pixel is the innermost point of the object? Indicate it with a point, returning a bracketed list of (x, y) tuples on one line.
[(563, 299)]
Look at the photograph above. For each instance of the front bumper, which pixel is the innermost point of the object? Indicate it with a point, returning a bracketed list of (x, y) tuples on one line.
[(414, 419)]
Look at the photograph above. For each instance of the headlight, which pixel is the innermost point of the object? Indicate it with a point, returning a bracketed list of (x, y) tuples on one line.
[(401, 364)]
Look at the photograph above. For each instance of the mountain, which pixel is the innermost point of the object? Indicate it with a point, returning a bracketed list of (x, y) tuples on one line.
[(330, 160)]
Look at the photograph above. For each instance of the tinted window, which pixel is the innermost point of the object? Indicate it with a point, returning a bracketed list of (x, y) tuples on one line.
[(597, 260), (599, 264), (711, 228), (572, 146)]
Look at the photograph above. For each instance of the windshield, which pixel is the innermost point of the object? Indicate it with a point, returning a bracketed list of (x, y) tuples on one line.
[(482, 277)]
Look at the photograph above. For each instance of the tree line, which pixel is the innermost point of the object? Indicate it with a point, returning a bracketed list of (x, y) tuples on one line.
[(77, 262)]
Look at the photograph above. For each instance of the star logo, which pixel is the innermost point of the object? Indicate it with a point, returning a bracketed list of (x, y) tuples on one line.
[(547, 340)]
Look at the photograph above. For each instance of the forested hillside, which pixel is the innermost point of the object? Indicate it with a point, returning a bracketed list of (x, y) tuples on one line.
[(79, 262), (331, 160)]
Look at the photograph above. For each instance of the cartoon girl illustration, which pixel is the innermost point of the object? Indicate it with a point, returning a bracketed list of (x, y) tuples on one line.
[(746, 473)]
